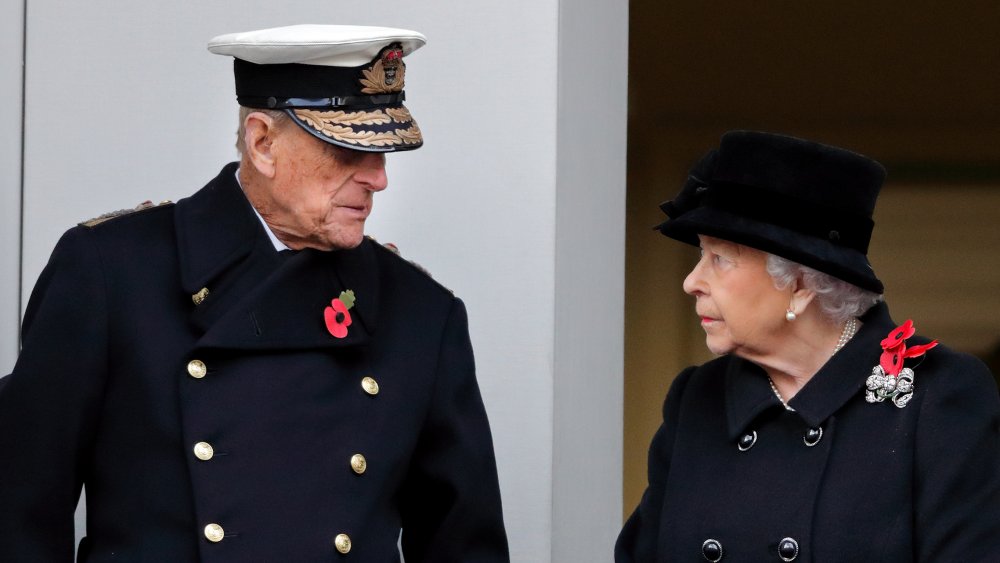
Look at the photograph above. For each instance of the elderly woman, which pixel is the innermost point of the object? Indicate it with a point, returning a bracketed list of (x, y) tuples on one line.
[(825, 431)]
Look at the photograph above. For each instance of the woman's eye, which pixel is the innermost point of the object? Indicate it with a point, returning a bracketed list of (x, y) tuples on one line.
[(721, 260), (716, 259)]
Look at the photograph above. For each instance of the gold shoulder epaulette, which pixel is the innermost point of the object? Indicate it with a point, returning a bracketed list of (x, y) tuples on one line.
[(395, 250), (121, 213)]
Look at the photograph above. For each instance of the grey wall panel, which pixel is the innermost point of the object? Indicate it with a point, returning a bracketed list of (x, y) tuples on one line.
[(590, 279)]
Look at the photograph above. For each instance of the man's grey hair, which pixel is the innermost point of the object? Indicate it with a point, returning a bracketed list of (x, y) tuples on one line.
[(838, 300), (278, 116)]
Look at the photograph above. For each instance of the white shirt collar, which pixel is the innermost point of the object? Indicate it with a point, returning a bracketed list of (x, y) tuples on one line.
[(278, 245)]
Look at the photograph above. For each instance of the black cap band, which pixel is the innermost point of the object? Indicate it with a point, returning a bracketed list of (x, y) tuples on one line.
[(294, 80), (272, 102)]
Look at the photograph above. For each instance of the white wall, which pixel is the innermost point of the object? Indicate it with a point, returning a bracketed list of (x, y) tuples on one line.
[(516, 201), (11, 51)]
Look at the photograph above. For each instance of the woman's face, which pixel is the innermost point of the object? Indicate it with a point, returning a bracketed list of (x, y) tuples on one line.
[(740, 309)]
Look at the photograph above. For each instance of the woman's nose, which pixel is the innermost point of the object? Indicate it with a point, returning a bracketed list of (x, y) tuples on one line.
[(694, 283)]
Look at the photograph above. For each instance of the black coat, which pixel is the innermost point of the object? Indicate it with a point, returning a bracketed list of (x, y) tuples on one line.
[(102, 395), (881, 484)]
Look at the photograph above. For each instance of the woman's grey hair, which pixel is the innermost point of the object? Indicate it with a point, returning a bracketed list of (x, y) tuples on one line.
[(839, 300), (278, 116)]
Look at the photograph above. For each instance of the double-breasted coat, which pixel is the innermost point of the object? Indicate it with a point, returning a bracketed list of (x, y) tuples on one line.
[(734, 476), (239, 429)]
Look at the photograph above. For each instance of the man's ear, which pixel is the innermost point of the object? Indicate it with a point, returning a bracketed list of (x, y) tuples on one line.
[(260, 131)]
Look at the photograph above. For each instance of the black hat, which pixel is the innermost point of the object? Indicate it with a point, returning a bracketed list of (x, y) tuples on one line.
[(342, 84), (804, 201)]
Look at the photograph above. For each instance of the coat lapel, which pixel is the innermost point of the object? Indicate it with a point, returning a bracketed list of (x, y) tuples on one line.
[(223, 249), (844, 376), (748, 393), (216, 229), (357, 270), (285, 310)]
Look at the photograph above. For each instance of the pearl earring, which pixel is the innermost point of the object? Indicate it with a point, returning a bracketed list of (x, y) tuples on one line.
[(789, 315)]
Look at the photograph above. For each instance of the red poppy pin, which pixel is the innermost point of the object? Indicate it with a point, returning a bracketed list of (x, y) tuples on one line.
[(337, 315), (889, 379)]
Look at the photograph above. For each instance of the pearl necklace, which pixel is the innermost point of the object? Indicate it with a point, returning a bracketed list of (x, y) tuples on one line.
[(778, 395), (850, 329)]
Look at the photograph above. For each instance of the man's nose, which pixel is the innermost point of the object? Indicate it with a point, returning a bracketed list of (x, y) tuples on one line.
[(372, 172)]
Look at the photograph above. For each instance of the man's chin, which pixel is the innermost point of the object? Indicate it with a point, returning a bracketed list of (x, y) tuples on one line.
[(326, 245), (345, 243)]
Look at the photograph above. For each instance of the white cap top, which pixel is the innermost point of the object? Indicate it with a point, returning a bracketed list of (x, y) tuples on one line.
[(326, 45)]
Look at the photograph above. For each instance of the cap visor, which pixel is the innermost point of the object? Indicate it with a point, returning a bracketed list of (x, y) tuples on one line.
[(378, 129)]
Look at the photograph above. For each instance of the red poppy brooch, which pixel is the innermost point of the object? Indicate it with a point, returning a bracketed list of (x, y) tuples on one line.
[(889, 379), (337, 315)]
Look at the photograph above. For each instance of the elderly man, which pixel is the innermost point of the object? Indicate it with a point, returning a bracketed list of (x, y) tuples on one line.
[(243, 376)]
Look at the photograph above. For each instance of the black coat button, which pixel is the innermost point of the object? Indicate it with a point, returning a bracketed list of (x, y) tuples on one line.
[(712, 550), (813, 436), (747, 441), (788, 549)]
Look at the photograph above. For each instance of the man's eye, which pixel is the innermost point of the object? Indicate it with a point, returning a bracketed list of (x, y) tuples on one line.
[(343, 156)]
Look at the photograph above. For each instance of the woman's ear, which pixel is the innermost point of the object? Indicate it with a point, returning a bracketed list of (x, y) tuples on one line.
[(801, 297), (260, 133)]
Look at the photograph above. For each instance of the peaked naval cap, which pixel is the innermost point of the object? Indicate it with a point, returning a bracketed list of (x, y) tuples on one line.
[(342, 84), (804, 201)]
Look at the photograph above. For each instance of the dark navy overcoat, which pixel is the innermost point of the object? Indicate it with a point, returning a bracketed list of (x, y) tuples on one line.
[(239, 429), (732, 473)]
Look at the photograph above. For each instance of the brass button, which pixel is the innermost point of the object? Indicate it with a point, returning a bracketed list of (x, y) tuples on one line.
[(214, 533), (204, 451), (197, 369), (343, 543), (370, 386), (200, 296), (359, 463)]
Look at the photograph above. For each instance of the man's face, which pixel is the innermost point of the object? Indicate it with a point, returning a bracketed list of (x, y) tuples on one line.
[(321, 194)]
